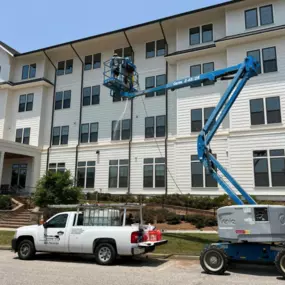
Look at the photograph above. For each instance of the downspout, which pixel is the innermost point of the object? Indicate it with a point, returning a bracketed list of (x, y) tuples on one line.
[(131, 130), (80, 112), (166, 114), (52, 114)]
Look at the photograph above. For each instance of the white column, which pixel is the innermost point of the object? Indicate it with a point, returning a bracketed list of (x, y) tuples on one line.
[(35, 175), (2, 154)]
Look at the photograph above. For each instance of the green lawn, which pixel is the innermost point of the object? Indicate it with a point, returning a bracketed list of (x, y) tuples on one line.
[(191, 244), (6, 237)]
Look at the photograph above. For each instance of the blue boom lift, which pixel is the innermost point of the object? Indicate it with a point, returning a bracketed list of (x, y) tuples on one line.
[(247, 232)]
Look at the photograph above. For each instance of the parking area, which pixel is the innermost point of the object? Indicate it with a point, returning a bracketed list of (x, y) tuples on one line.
[(68, 270)]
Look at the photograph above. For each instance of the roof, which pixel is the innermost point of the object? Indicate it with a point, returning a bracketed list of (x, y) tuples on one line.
[(8, 48), (135, 26)]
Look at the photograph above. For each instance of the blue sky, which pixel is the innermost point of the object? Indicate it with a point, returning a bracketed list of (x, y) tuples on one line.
[(34, 24)]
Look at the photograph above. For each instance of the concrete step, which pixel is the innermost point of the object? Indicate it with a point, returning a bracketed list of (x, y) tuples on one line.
[(16, 223), (11, 226), (16, 220)]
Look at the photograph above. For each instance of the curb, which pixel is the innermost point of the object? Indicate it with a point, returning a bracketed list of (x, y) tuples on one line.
[(5, 247), (173, 256)]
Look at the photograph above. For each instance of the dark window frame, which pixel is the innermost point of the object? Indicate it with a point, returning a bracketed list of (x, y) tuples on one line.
[(153, 180), (150, 48), (29, 71), (245, 18), (272, 15), (23, 135), (57, 167), (60, 139), (119, 165), (86, 166), (275, 59), (150, 85), (63, 68), (25, 103)]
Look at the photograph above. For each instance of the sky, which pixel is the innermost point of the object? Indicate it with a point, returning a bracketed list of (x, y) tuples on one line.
[(33, 24)]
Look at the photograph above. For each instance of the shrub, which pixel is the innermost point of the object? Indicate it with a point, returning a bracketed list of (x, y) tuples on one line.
[(56, 188), (5, 202), (201, 221), (173, 219)]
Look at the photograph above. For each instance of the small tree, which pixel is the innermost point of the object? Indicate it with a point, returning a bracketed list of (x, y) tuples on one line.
[(56, 188)]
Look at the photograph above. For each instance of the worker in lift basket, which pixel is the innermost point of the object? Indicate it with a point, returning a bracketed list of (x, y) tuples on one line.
[(115, 65)]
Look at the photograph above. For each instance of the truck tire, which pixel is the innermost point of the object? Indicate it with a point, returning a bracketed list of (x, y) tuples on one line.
[(26, 250), (214, 260), (280, 262), (105, 254)]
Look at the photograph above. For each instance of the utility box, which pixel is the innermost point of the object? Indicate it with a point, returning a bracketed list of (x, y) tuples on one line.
[(252, 223)]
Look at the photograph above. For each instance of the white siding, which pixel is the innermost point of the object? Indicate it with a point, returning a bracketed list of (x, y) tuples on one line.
[(200, 97), (235, 17), (3, 108), (264, 85), (184, 150), (241, 158), (5, 66), (28, 119)]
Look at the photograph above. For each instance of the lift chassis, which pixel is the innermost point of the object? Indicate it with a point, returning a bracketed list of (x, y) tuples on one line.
[(247, 232)]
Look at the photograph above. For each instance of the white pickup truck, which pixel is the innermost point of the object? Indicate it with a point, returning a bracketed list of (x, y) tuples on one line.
[(101, 232)]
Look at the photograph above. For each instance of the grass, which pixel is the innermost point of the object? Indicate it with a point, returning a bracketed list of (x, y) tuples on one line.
[(6, 237), (191, 244)]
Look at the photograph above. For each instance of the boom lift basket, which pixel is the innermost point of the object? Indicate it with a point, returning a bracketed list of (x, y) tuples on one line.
[(120, 76)]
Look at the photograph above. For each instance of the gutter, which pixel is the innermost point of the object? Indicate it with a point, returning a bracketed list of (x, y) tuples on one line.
[(80, 112), (166, 114), (52, 115), (131, 124)]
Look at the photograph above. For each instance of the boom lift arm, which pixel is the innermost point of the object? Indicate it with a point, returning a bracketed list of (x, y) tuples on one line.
[(125, 84)]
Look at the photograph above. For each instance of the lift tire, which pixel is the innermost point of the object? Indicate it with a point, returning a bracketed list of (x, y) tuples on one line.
[(214, 260), (105, 254), (280, 262), (26, 250)]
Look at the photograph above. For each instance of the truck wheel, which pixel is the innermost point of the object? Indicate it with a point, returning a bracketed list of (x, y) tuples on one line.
[(105, 254), (26, 250), (280, 262), (214, 260)]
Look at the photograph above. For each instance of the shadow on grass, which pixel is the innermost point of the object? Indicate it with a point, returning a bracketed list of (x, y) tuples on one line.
[(89, 259), (192, 238)]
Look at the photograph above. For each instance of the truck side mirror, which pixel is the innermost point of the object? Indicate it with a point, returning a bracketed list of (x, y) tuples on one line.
[(45, 225)]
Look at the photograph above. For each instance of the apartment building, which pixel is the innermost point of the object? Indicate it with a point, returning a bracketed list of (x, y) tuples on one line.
[(55, 114)]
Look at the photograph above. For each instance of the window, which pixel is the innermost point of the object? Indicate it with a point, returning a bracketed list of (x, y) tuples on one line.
[(89, 137), (155, 48), (57, 167), (269, 59), (125, 52), (29, 71), (254, 19), (62, 100), (204, 33), (208, 67), (64, 67), (152, 81), (86, 174), (23, 135), (160, 80), (199, 175), (251, 19), (118, 173), (150, 49), (26, 102), (160, 47), (269, 168), (58, 221), (269, 115), (60, 135), (155, 127), (195, 70), (199, 118), (92, 61), (91, 95), (266, 15), (154, 172), (256, 55), (121, 130)]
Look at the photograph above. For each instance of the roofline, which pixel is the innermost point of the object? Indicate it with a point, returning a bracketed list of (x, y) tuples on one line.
[(230, 2)]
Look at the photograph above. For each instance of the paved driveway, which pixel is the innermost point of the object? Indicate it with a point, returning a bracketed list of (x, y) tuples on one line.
[(47, 270)]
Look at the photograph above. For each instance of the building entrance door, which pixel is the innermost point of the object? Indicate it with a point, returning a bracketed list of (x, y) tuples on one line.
[(19, 175)]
